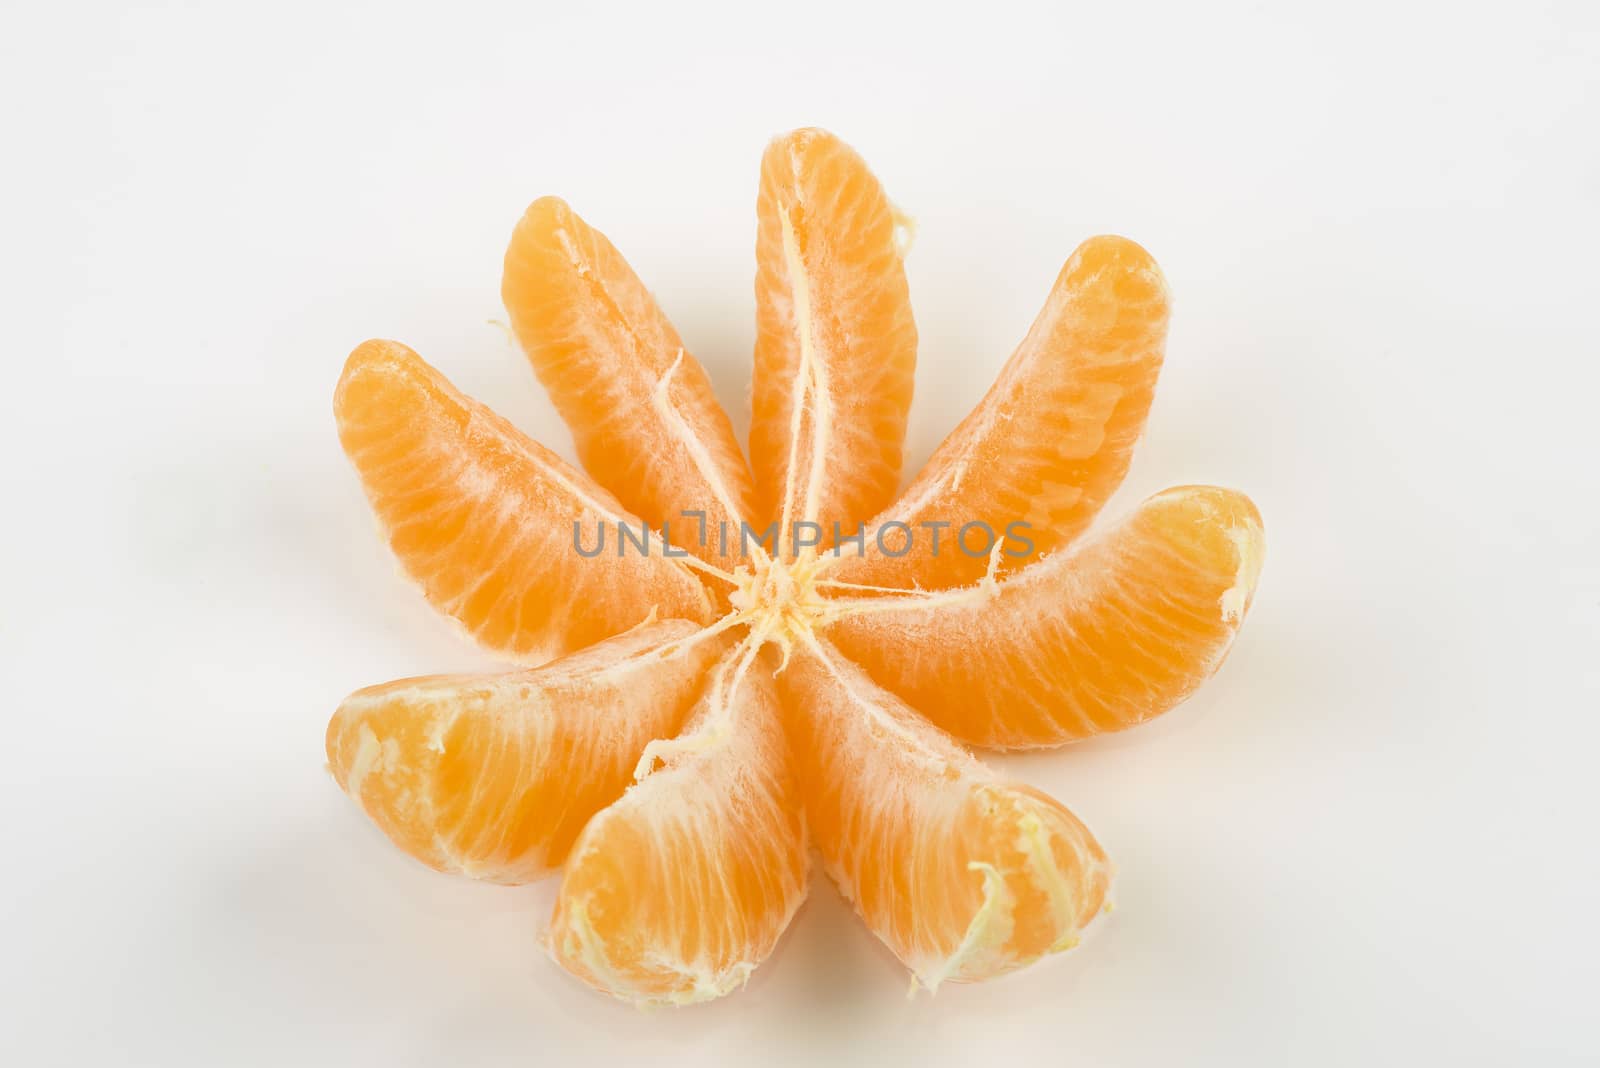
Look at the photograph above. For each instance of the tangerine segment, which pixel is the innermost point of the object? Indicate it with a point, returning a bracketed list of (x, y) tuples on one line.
[(488, 521), (677, 891), (1097, 639), (492, 776), (962, 875), (835, 342), (643, 415), (1053, 437)]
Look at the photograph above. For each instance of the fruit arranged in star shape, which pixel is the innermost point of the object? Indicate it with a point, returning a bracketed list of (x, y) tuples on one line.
[(688, 724)]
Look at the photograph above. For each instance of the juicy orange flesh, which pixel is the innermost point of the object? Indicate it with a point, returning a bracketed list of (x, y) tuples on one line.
[(494, 775), (483, 518), (643, 415), (677, 886), (675, 892), (961, 875), (1053, 437), (1098, 639), (833, 328)]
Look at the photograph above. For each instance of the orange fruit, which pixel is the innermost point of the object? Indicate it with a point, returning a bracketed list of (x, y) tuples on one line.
[(493, 776), (801, 687), (1053, 437), (677, 891), (485, 519), (836, 346), (1096, 639), (643, 415), (962, 875)]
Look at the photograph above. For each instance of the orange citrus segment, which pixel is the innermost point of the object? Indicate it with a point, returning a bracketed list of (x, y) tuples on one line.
[(962, 875), (1050, 441), (643, 415), (677, 891), (835, 343), (492, 776), (1097, 639), (484, 519)]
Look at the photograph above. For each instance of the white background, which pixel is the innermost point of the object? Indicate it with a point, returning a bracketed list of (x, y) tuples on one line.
[(1369, 840)]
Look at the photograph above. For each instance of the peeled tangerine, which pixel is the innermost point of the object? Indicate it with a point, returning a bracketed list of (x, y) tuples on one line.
[(674, 767)]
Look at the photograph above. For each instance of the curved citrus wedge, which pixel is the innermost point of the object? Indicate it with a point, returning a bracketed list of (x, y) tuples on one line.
[(492, 776), (488, 522), (677, 891), (963, 876), (1097, 639), (836, 346), (1053, 437), (643, 415)]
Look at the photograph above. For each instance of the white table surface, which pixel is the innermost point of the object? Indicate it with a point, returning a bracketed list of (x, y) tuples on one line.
[(1369, 840)]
